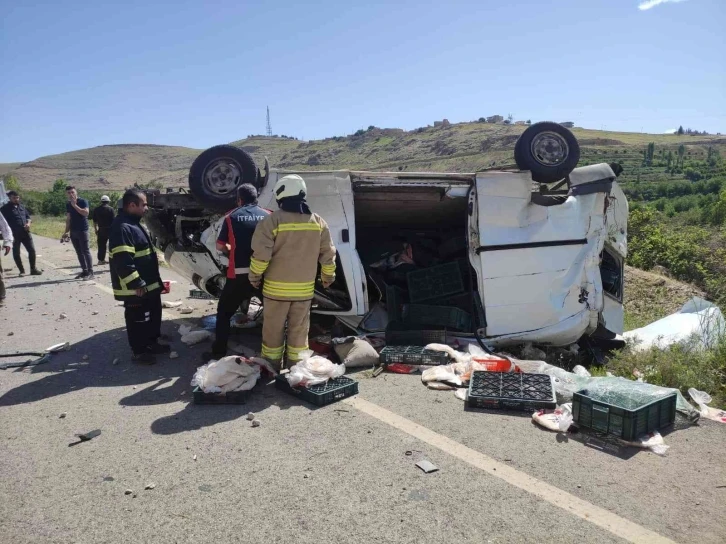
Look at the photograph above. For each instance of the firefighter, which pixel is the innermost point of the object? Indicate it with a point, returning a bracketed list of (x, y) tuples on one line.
[(287, 247), (135, 278), (235, 239)]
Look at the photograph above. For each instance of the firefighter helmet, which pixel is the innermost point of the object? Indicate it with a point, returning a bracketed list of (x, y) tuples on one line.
[(290, 185)]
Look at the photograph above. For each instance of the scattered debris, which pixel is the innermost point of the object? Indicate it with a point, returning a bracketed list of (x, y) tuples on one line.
[(195, 337), (150, 486), (115, 361), (186, 310), (256, 423), (703, 399), (128, 492), (195, 457), (63, 316), (85, 357), (170, 304), (173, 355), (250, 416), (427, 466), (63, 415), (226, 375), (94, 313), (11, 334)]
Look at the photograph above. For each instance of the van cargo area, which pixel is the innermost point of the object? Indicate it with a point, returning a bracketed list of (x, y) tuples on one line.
[(412, 242)]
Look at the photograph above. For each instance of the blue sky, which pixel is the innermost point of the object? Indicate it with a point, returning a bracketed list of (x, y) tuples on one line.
[(81, 74)]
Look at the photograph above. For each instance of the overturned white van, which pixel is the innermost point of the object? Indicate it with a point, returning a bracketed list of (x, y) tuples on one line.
[(538, 263)]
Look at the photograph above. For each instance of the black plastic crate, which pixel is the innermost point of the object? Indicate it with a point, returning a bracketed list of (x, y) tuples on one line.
[(394, 302), (412, 355), (435, 282), (233, 397), (511, 391), (333, 390), (626, 422), (437, 316), (401, 334)]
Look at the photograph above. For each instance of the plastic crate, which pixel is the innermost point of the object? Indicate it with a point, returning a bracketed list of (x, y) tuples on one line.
[(198, 293), (511, 391), (412, 355), (435, 282), (394, 302), (400, 334), (625, 423), (233, 397), (437, 316), (325, 393)]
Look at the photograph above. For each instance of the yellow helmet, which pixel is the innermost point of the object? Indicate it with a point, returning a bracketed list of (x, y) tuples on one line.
[(290, 185)]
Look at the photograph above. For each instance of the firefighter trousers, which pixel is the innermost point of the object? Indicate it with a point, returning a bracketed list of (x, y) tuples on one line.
[(143, 321), (297, 316)]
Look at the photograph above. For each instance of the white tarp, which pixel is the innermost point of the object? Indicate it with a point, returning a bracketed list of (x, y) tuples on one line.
[(699, 321)]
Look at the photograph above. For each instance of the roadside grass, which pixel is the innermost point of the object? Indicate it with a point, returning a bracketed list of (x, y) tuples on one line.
[(680, 366), (52, 226)]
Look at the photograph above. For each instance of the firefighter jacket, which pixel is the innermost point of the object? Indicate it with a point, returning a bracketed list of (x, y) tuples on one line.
[(286, 249), (134, 263)]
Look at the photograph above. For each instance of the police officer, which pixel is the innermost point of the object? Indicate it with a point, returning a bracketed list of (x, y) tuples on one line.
[(135, 278), (235, 239)]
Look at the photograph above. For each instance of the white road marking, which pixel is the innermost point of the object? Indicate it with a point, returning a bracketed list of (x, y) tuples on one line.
[(613, 523), (99, 286)]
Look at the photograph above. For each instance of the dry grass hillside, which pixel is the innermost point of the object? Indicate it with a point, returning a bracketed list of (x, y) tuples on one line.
[(463, 147)]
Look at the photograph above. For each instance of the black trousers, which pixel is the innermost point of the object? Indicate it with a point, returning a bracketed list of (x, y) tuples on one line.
[(143, 321), (102, 239), (24, 238), (234, 293)]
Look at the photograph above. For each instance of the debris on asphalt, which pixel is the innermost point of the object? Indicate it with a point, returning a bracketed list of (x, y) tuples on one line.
[(128, 492), (256, 423), (250, 416), (63, 415), (195, 457), (186, 310), (11, 334), (312, 370), (170, 304), (173, 355), (150, 486), (558, 420), (195, 337), (115, 361), (85, 437), (427, 466), (85, 357), (63, 316), (94, 313)]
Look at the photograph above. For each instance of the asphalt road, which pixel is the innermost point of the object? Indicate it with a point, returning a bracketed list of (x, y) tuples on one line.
[(335, 474)]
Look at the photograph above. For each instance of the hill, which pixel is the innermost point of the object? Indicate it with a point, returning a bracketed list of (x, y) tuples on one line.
[(463, 147)]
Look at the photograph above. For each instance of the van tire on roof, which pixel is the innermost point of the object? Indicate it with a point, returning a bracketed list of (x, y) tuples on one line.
[(548, 150), (216, 174)]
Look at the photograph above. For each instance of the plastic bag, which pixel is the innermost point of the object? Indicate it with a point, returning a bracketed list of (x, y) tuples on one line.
[(313, 370), (702, 399), (653, 441), (227, 374), (559, 420), (195, 337)]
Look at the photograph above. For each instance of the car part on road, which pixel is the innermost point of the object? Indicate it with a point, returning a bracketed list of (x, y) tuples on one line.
[(42, 356), (85, 437), (216, 174), (548, 150), (427, 466)]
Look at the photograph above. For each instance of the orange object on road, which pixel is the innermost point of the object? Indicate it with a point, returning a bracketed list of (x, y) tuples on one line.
[(496, 365)]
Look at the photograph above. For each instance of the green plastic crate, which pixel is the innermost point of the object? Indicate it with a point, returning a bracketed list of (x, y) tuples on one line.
[(333, 390), (435, 282), (400, 334), (627, 423), (233, 397), (437, 316), (412, 355)]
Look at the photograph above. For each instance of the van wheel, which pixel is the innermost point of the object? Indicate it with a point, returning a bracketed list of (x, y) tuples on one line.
[(548, 150), (216, 174)]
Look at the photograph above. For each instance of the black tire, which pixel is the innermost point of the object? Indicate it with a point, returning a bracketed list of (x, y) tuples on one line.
[(216, 174), (548, 150)]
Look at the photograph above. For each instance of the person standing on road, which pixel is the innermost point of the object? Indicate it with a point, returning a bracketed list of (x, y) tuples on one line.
[(18, 219), (77, 228), (235, 240), (136, 279), (102, 218), (7, 235), (287, 247)]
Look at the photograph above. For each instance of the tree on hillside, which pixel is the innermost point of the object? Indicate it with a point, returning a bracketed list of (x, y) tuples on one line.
[(681, 153), (11, 183), (649, 153), (680, 130)]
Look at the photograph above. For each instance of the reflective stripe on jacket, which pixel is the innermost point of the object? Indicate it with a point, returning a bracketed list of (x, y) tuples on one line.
[(287, 248), (134, 263)]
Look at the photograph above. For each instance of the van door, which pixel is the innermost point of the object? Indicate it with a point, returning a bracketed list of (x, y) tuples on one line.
[(537, 265), (330, 195)]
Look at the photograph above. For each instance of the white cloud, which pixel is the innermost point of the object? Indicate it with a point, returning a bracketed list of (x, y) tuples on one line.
[(671, 131), (647, 4)]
